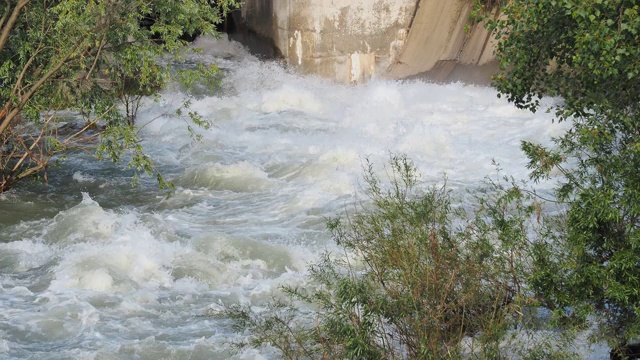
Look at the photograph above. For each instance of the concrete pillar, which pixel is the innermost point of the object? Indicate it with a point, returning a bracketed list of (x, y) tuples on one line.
[(351, 41)]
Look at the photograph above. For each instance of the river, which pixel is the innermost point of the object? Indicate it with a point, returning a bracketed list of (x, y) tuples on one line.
[(93, 268)]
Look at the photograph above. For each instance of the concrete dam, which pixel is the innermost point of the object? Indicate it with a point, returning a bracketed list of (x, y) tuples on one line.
[(351, 41)]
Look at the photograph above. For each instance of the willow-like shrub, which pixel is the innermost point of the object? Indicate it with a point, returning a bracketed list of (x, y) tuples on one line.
[(420, 277)]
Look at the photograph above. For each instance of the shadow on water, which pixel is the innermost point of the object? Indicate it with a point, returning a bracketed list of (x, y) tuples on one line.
[(109, 184)]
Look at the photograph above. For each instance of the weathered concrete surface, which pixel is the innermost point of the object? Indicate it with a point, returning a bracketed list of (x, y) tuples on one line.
[(441, 42), (352, 41), (346, 40)]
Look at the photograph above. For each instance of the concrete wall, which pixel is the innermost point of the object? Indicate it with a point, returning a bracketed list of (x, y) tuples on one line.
[(352, 41), (443, 45)]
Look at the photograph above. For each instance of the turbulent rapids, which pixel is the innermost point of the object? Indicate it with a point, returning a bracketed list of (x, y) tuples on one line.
[(93, 268)]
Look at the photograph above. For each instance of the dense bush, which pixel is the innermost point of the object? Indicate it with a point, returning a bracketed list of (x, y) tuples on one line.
[(420, 278), (90, 57), (585, 52)]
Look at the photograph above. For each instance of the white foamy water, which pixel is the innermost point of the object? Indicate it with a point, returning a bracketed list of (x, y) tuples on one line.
[(96, 269)]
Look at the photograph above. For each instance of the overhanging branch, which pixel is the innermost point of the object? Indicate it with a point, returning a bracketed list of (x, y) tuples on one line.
[(6, 27)]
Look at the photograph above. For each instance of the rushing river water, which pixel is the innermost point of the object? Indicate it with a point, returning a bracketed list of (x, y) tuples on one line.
[(93, 268)]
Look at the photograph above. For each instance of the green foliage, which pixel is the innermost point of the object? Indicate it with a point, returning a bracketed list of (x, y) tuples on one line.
[(585, 52), (418, 279), (88, 56)]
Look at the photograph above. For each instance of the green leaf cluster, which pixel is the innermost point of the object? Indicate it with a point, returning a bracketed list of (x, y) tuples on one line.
[(584, 51), (588, 54), (89, 57)]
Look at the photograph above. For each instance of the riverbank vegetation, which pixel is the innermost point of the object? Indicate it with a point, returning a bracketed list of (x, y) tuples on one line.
[(93, 58), (420, 278), (585, 52)]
